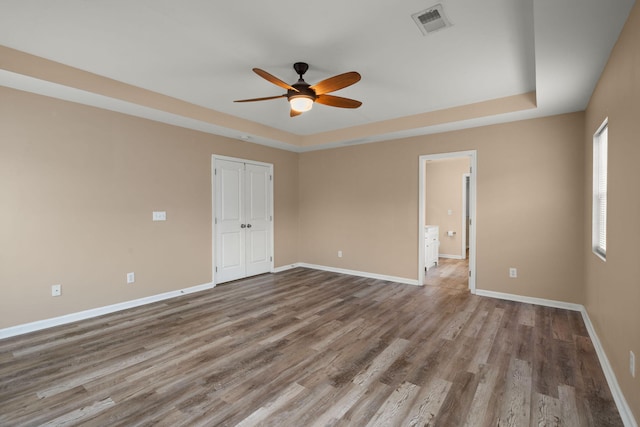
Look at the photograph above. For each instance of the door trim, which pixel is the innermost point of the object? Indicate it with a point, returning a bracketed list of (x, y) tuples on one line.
[(215, 157), (473, 162), (465, 196)]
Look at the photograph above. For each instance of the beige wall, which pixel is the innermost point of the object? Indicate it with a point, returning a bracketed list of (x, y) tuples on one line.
[(443, 192), (77, 189), (363, 200), (79, 184), (613, 287)]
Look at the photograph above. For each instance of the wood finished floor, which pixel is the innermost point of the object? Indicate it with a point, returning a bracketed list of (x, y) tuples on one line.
[(449, 273), (311, 348)]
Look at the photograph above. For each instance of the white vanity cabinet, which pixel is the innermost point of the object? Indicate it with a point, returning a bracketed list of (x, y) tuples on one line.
[(431, 245)]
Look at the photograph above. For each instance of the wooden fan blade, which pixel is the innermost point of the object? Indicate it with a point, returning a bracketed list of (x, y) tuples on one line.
[(338, 101), (273, 79), (260, 99), (336, 82), (294, 113)]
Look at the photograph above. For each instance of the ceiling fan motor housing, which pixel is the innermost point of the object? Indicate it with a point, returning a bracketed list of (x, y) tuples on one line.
[(303, 91), (303, 88)]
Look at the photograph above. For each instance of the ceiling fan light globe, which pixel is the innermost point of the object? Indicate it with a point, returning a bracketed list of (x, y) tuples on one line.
[(301, 103)]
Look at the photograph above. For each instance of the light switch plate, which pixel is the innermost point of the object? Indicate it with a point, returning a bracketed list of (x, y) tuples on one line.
[(159, 215)]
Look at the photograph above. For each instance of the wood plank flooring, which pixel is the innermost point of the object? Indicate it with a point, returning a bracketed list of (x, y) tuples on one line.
[(449, 273), (311, 348)]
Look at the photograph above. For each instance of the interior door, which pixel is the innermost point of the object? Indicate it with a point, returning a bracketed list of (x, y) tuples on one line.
[(258, 219), (242, 220), (229, 191)]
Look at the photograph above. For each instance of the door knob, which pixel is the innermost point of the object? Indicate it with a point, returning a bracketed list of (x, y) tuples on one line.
[(243, 226), (248, 225)]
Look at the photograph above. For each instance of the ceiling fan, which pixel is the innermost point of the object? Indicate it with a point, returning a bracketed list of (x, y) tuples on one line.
[(301, 95)]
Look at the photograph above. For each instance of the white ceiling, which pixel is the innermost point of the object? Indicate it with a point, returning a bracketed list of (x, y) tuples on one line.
[(202, 51)]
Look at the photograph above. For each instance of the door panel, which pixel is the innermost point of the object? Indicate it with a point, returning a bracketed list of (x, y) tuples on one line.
[(231, 200), (257, 192), (258, 247), (232, 255)]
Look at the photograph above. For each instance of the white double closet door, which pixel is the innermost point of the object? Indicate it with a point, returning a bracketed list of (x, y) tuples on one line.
[(243, 219)]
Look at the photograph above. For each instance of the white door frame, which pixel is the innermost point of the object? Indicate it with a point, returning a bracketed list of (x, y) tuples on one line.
[(464, 213), (215, 157), (473, 162)]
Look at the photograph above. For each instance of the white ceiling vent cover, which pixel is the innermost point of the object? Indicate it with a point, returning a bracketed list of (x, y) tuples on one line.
[(432, 19)]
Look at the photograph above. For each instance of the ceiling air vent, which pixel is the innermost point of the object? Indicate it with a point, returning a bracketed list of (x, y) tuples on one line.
[(432, 19)]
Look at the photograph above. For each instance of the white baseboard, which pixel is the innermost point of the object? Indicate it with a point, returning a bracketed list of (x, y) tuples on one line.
[(530, 300), (360, 274), (623, 407), (95, 312), (284, 268), (450, 256), (621, 403)]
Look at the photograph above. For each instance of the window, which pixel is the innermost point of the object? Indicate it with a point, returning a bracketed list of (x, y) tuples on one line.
[(599, 219)]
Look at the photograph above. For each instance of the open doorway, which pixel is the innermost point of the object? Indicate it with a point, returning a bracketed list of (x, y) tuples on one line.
[(447, 220)]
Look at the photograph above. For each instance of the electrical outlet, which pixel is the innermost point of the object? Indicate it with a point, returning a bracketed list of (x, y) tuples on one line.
[(632, 364), (56, 290), (513, 272), (131, 277), (339, 254)]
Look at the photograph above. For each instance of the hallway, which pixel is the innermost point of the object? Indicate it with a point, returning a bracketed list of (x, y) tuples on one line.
[(449, 273)]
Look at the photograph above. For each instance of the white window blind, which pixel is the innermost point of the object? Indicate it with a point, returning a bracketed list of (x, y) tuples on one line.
[(600, 147)]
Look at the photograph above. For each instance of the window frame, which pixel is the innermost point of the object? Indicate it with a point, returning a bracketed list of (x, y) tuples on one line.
[(600, 190)]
